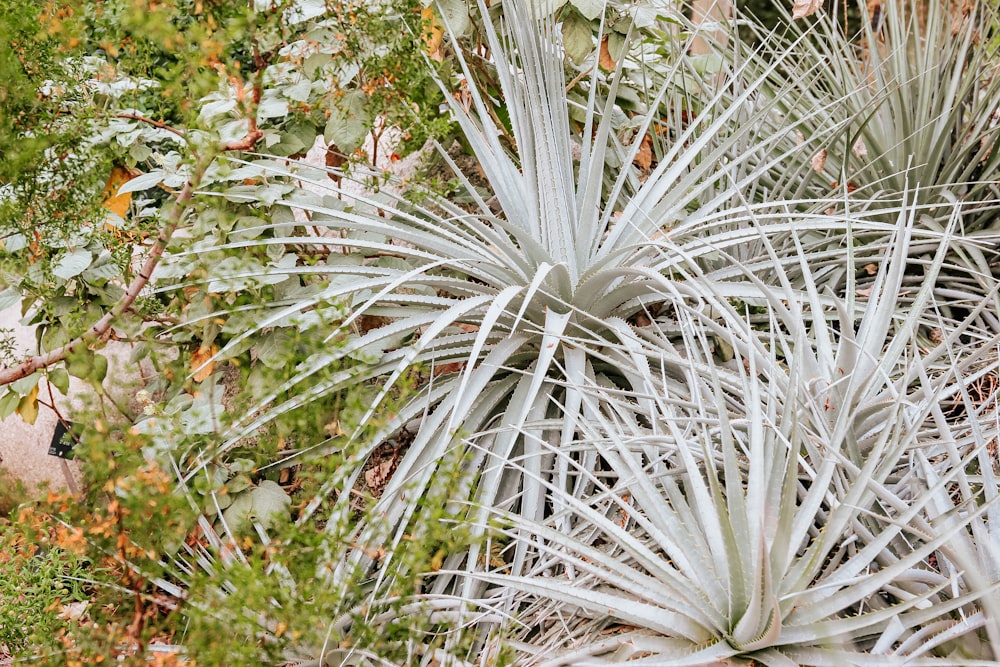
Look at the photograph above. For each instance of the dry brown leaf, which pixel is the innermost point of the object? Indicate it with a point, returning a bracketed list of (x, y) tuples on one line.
[(860, 150), (851, 186), (875, 14), (453, 367), (799, 138), (605, 60), (201, 363), (866, 292), (114, 202), (871, 269), (819, 161), (368, 322), (937, 335), (376, 476), (804, 8), (433, 32), (333, 429), (335, 159), (644, 158)]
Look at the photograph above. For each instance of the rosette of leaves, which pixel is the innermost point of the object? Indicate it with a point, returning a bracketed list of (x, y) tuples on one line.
[(511, 317), (812, 503), (915, 84)]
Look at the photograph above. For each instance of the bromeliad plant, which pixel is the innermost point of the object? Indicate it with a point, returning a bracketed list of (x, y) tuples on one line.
[(916, 83), (564, 324), (511, 314), (813, 503)]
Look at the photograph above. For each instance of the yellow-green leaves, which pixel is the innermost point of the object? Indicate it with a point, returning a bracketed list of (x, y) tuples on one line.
[(27, 407), (22, 398)]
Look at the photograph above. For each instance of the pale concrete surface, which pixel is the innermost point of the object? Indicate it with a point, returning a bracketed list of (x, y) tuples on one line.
[(24, 452), (710, 11), (24, 449)]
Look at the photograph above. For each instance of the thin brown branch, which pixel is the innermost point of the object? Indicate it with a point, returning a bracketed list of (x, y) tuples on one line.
[(249, 140), (100, 329), (103, 326), (254, 134), (578, 78), (155, 123)]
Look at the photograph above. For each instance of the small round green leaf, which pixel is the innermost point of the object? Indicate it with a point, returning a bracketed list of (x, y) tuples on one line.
[(60, 379), (578, 36), (8, 403), (270, 504)]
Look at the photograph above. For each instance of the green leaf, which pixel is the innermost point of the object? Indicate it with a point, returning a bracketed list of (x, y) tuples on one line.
[(239, 483), (222, 500), (616, 43), (73, 264), (270, 504), (143, 182), (644, 17), (9, 297), (217, 108), (100, 368), (349, 122), (23, 386), (213, 480), (723, 348), (299, 92), (87, 365), (297, 138), (273, 351), (592, 9), (103, 269), (8, 403), (60, 378), (578, 36), (139, 352), (242, 465), (140, 153), (315, 62), (707, 64), (456, 16), (15, 242), (272, 107), (237, 515)]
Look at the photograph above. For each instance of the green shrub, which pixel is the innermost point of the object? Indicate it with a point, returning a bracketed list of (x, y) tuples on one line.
[(43, 586)]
